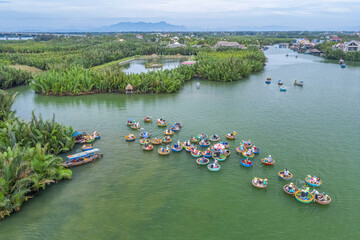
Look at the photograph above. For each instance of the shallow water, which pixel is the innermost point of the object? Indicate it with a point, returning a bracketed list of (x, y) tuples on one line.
[(132, 194), (138, 66)]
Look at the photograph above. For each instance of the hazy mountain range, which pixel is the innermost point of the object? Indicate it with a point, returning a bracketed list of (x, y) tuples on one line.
[(140, 27)]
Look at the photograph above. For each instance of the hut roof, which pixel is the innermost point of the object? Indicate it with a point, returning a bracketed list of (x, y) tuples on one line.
[(129, 87)]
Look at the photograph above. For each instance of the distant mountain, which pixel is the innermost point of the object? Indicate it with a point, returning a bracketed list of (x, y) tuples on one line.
[(257, 28), (140, 27)]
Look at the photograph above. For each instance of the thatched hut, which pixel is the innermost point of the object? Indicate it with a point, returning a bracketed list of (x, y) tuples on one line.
[(129, 89)]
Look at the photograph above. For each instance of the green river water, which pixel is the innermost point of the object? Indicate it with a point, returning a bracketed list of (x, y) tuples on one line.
[(132, 194)]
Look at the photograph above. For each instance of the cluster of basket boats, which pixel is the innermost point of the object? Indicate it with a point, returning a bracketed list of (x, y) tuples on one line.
[(219, 152), (280, 83)]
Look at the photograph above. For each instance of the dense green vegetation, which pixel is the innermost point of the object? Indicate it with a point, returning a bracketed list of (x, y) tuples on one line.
[(26, 162), (326, 48), (10, 77), (212, 65)]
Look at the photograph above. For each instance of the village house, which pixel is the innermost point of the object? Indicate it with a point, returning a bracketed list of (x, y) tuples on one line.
[(229, 44), (175, 45), (335, 39), (352, 46), (138, 36)]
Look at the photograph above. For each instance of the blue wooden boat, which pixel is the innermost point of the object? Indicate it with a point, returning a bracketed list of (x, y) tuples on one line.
[(82, 158), (255, 150), (204, 144), (87, 147), (216, 169), (343, 66), (308, 182), (283, 89), (249, 164), (199, 154), (176, 149), (268, 81), (207, 155)]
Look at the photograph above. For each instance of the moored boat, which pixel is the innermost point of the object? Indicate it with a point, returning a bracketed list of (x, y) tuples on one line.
[(259, 183), (82, 158), (156, 141), (202, 161), (301, 196), (268, 160), (147, 147), (246, 162), (290, 189), (131, 137), (86, 147)]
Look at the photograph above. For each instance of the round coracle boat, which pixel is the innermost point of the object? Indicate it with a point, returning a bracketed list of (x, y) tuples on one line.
[(135, 126), (130, 122), (248, 155), (161, 124), (241, 149), (145, 134), (255, 150), (268, 161), (290, 191), (280, 82), (220, 159), (144, 141), (86, 147), (177, 148), (259, 183), (282, 176), (214, 167), (148, 147), (323, 199), (305, 199), (231, 136), (96, 135), (148, 119), (225, 143), (246, 144), (175, 128), (185, 145), (166, 139), (190, 149), (179, 124), (204, 143), (168, 132), (268, 81), (196, 153), (156, 141), (194, 140), (130, 138), (312, 182), (214, 138), (202, 136), (227, 152), (202, 161), (207, 154), (283, 89), (163, 151), (246, 162)]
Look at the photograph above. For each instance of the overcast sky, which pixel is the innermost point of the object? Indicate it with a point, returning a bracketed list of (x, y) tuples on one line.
[(208, 14)]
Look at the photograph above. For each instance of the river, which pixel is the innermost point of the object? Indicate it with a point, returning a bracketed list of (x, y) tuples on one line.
[(132, 194)]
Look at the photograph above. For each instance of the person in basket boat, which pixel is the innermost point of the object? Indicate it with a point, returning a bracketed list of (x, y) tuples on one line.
[(167, 138), (291, 188), (313, 180), (247, 161), (249, 152), (131, 136), (316, 194), (268, 159), (215, 164), (188, 143), (286, 173)]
